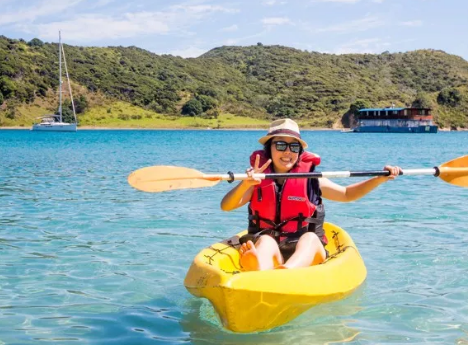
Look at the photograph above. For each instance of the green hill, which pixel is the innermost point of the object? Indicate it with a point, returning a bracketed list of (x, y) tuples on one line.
[(227, 86)]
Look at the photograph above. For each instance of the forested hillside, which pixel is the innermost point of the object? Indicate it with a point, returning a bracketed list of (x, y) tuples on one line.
[(118, 86)]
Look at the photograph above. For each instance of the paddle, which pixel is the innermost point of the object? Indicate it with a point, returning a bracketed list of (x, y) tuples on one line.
[(164, 178)]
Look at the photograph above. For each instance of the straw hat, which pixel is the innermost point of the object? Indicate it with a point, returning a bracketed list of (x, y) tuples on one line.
[(283, 128)]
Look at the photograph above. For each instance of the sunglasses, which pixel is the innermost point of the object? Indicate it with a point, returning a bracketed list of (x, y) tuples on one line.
[(282, 146)]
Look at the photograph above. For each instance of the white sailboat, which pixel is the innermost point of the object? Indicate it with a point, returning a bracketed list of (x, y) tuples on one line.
[(54, 122)]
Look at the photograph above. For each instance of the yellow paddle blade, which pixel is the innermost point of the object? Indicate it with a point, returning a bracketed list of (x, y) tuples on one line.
[(162, 178), (455, 171)]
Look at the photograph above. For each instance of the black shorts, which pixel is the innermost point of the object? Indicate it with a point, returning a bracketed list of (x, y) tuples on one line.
[(287, 246)]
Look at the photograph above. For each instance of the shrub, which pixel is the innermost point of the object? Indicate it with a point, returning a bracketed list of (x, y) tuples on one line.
[(450, 97), (192, 108), (11, 114), (207, 102)]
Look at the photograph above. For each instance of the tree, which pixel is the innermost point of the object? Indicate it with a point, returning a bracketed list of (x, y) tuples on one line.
[(422, 100), (7, 87), (449, 97), (81, 104), (35, 42), (192, 108), (358, 105), (167, 97), (281, 108), (207, 102), (207, 91), (67, 111)]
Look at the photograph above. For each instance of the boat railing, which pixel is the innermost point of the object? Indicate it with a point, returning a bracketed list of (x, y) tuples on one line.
[(396, 123)]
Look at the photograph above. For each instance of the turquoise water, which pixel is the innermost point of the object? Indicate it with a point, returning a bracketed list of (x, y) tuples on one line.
[(86, 259)]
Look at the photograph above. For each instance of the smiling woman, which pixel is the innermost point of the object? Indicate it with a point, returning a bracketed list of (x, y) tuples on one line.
[(286, 216)]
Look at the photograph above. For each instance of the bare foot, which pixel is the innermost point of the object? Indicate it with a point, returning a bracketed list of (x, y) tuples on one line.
[(249, 259)]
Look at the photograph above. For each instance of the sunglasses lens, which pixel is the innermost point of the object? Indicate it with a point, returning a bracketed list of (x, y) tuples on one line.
[(281, 145), (295, 147)]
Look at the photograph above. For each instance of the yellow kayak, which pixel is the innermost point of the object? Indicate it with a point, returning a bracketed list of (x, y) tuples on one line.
[(260, 300)]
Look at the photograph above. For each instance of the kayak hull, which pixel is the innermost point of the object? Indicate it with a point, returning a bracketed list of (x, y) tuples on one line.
[(260, 300)]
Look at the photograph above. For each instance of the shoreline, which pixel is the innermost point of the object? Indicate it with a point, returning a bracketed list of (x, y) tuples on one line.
[(94, 128), (198, 128)]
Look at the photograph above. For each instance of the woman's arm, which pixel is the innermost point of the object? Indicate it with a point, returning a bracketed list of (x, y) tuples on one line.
[(237, 197), (335, 192)]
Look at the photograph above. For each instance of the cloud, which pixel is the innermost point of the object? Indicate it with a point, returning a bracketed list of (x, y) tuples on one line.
[(188, 52), (100, 3), (412, 23), (272, 21), (273, 2), (342, 1), (231, 28), (370, 46), (197, 9), (234, 41), (93, 27), (354, 26), (109, 25), (33, 12)]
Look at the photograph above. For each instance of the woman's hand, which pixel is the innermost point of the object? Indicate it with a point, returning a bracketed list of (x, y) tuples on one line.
[(241, 194), (252, 181), (394, 171)]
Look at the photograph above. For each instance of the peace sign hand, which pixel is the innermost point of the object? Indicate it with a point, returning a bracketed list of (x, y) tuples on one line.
[(252, 181)]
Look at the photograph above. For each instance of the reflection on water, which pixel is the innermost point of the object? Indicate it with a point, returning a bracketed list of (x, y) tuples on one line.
[(329, 323)]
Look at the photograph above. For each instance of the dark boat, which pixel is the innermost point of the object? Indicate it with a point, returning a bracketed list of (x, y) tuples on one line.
[(395, 120)]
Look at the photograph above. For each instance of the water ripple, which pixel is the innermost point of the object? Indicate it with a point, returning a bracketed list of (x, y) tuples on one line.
[(84, 258)]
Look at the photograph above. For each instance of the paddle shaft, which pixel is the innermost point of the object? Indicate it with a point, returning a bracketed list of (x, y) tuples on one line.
[(160, 178), (328, 174)]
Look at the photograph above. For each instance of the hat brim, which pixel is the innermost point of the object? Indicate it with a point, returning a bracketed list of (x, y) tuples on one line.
[(265, 138)]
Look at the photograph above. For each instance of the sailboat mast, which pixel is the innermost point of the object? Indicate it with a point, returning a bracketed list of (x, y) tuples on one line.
[(69, 85), (60, 76)]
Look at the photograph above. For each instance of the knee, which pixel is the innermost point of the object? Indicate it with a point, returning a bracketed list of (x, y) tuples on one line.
[(266, 239), (310, 237), (313, 244)]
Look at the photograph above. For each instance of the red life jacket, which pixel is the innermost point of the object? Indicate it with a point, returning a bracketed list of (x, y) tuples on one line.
[(294, 208)]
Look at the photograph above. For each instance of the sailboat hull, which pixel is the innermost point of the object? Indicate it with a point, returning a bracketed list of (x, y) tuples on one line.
[(55, 127)]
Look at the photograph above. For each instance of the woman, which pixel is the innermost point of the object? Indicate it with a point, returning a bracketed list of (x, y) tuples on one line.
[(286, 215)]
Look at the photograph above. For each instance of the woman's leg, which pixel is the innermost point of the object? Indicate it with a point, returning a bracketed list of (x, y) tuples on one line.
[(309, 251), (263, 255)]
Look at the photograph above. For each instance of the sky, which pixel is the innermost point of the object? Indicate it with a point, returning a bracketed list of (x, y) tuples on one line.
[(192, 27)]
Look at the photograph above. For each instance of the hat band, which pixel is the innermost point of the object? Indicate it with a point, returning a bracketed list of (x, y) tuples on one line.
[(285, 131)]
